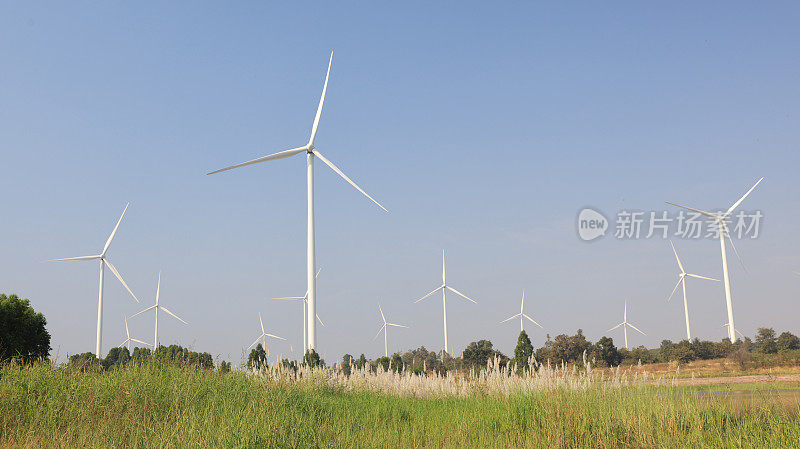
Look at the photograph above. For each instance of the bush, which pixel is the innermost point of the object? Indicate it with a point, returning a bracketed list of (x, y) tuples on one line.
[(22, 331)]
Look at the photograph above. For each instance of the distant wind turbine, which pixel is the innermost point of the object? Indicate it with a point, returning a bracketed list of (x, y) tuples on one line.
[(158, 307), (720, 219), (263, 337), (682, 282), (129, 339), (444, 287), (737, 330), (305, 303), (311, 152), (625, 325), (385, 330), (103, 263), (522, 316)]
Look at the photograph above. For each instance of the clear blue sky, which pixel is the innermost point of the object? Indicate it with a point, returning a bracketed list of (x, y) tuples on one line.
[(482, 128)]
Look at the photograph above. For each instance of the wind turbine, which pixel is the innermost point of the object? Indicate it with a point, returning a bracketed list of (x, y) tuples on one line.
[(156, 307), (720, 218), (385, 330), (311, 152), (305, 303), (444, 287), (522, 315), (737, 330), (129, 339), (264, 335), (682, 282), (103, 263), (625, 325)]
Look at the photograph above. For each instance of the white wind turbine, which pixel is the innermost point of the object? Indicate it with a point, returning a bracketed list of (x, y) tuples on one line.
[(682, 282), (385, 330), (129, 339), (625, 325), (158, 307), (444, 287), (720, 218), (103, 263), (522, 316), (263, 337), (311, 152), (737, 330), (305, 304)]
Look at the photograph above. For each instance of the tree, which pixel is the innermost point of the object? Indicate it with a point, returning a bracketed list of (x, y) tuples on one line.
[(788, 341), (397, 363), (224, 367), (257, 359), (347, 362), (116, 357), (607, 352), (312, 359), (477, 354), (22, 331), (765, 340), (361, 362), (523, 351), (85, 362)]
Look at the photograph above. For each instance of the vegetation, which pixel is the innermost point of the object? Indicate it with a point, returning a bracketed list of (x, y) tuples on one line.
[(22, 331), (165, 405)]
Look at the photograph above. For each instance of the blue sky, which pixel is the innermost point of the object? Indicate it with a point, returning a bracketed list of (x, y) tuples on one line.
[(484, 129)]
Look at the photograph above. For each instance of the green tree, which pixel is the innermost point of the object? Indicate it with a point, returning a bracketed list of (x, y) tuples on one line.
[(765, 340), (22, 331), (361, 362), (477, 353), (116, 357), (347, 362), (397, 363), (523, 352), (607, 352), (788, 341), (224, 367), (312, 359), (257, 359), (86, 361)]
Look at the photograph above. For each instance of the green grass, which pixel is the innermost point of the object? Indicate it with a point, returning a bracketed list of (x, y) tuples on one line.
[(152, 406)]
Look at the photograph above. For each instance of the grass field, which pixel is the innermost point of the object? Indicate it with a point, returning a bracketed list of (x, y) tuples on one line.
[(157, 406)]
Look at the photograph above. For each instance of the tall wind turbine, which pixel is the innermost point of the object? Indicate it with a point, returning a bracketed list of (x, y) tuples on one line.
[(311, 152), (625, 325), (444, 287), (720, 218), (263, 337), (129, 339), (305, 303), (385, 330), (522, 316), (156, 307), (682, 282), (103, 263)]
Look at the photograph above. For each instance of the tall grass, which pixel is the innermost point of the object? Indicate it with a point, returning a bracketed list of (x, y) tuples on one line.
[(163, 406)]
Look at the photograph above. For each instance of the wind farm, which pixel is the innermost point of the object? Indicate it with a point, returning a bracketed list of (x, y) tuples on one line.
[(561, 159)]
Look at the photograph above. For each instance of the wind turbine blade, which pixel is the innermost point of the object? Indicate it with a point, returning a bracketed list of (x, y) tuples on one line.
[(320, 321), (158, 287), (676, 288), (142, 342), (396, 325), (383, 317), (274, 336), (271, 157), (532, 321), (444, 282), (321, 101), (510, 318), (116, 273), (123, 343), (261, 322), (708, 214), (74, 258), (522, 304), (702, 277), (379, 332), (434, 291), (175, 316), (143, 311), (340, 173), (291, 298), (676, 257), (255, 342), (736, 204), (114, 232), (728, 235), (460, 294), (127, 332), (636, 329), (618, 325)]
